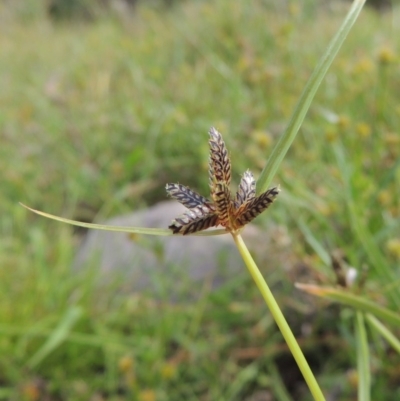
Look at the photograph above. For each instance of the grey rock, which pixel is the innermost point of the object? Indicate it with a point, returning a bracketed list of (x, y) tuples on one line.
[(163, 263)]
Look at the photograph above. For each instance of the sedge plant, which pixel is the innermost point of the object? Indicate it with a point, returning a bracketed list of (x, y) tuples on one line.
[(233, 213)]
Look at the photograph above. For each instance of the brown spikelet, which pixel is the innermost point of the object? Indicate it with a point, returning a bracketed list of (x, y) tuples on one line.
[(188, 198), (193, 221), (219, 163), (250, 210), (246, 190), (223, 203)]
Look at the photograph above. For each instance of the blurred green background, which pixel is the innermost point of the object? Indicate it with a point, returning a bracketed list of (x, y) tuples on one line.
[(102, 103)]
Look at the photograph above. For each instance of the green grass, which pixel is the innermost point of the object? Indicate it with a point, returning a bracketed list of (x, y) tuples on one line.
[(95, 119)]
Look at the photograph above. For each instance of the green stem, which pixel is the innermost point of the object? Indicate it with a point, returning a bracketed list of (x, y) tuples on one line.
[(364, 378), (279, 319)]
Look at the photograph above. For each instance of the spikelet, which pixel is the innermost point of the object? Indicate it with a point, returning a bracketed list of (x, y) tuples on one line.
[(250, 210), (223, 203), (246, 190), (192, 221), (219, 162), (188, 198)]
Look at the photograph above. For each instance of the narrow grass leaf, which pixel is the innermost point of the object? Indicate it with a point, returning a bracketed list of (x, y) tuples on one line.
[(90, 340), (58, 336), (361, 230), (357, 302), (277, 384), (363, 364), (136, 230), (242, 380), (383, 331), (313, 241), (306, 98)]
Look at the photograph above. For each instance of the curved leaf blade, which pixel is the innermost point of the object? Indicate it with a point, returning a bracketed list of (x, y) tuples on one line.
[(306, 98), (384, 332), (357, 302), (134, 230)]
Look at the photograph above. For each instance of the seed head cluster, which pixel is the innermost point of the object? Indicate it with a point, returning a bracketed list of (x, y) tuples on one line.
[(231, 212)]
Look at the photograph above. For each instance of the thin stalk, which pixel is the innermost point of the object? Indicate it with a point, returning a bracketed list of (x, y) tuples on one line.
[(364, 378), (279, 319)]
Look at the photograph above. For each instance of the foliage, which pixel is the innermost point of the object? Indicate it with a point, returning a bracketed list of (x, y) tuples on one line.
[(96, 119)]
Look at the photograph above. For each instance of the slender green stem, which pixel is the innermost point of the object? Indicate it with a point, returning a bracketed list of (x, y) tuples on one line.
[(364, 378), (279, 319)]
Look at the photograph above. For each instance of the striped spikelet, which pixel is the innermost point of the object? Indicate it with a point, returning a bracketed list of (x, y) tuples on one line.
[(219, 162), (223, 203), (192, 221), (251, 209), (187, 197), (247, 189)]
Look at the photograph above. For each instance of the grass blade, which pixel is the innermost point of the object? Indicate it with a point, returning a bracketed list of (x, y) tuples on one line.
[(135, 230), (90, 340), (384, 332), (357, 302), (277, 384), (313, 241), (58, 336), (246, 376), (306, 98), (363, 365), (361, 230)]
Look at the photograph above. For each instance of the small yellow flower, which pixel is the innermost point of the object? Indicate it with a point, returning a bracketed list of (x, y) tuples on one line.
[(363, 130), (323, 208), (393, 246), (385, 197), (364, 65), (125, 364), (168, 371), (285, 29), (294, 9), (343, 122), (392, 139), (262, 139), (331, 135), (147, 395), (386, 55), (243, 63), (252, 152), (352, 377)]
